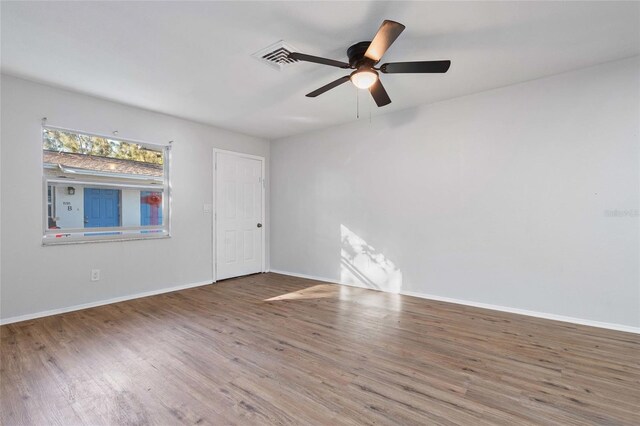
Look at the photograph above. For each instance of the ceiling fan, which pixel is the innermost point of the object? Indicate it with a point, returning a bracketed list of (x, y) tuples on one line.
[(363, 58)]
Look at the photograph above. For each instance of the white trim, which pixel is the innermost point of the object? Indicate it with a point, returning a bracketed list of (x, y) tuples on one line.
[(70, 182), (313, 277), (214, 209), (544, 315), (239, 154), (69, 239), (89, 172), (214, 218), (101, 303)]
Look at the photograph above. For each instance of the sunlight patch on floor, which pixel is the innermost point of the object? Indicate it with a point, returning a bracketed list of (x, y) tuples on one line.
[(320, 291)]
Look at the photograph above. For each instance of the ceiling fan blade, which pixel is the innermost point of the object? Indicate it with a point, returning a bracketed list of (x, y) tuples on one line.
[(386, 35), (379, 94), (416, 67), (329, 86), (318, 60)]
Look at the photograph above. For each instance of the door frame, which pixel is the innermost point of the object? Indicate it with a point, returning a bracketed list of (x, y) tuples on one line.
[(214, 210)]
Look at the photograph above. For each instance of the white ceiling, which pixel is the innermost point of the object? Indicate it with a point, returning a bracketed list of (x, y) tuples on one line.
[(193, 59)]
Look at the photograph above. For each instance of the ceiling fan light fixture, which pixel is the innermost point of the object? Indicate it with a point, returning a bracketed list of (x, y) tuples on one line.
[(364, 79)]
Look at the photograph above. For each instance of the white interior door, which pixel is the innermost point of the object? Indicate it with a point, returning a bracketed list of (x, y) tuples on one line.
[(239, 222)]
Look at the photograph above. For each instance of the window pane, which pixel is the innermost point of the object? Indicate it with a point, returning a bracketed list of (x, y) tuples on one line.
[(72, 151), (98, 183)]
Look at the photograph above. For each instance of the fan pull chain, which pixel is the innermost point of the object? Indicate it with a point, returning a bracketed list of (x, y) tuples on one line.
[(357, 104)]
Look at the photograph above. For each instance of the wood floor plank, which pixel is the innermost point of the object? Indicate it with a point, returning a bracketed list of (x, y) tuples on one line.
[(273, 349)]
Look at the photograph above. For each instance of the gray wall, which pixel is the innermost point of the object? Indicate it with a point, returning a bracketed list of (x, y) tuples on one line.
[(35, 278), (506, 197)]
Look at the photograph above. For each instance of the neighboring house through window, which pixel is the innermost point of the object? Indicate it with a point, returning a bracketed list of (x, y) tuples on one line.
[(99, 188)]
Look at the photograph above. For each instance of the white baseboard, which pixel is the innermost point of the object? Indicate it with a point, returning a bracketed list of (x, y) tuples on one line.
[(572, 320), (100, 303)]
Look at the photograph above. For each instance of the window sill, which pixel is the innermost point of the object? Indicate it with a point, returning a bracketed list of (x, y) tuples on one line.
[(105, 239)]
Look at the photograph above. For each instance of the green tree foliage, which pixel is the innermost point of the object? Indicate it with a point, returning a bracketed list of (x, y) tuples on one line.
[(56, 140)]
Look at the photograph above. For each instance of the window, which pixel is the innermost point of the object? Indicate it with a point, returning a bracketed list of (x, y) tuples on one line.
[(98, 188)]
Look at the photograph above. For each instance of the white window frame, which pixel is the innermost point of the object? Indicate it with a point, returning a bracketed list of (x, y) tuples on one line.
[(119, 233)]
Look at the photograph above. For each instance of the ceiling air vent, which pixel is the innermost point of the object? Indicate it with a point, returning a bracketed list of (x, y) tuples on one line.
[(276, 55)]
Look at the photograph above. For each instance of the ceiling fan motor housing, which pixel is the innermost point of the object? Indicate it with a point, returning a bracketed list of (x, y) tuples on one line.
[(356, 55)]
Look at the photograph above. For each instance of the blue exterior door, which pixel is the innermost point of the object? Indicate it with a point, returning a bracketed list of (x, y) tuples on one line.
[(101, 208)]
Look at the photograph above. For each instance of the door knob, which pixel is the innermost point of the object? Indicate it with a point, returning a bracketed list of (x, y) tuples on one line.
[(259, 225)]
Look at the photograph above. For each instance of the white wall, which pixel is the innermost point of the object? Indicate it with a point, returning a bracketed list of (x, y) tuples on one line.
[(34, 278), (503, 197)]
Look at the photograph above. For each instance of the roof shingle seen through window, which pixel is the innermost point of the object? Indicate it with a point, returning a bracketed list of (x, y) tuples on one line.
[(102, 164)]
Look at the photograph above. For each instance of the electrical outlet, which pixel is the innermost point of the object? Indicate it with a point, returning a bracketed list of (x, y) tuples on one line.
[(95, 275)]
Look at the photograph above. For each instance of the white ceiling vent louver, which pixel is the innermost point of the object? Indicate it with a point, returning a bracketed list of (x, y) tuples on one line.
[(276, 55)]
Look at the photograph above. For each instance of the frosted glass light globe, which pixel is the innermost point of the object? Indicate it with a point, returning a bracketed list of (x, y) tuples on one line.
[(364, 79)]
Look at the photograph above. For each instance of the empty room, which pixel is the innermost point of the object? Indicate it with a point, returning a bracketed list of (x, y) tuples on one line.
[(319, 213)]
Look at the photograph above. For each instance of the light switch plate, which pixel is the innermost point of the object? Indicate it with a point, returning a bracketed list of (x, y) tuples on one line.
[(207, 208)]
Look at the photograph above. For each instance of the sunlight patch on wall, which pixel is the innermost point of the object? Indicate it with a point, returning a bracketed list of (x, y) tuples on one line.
[(362, 265)]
